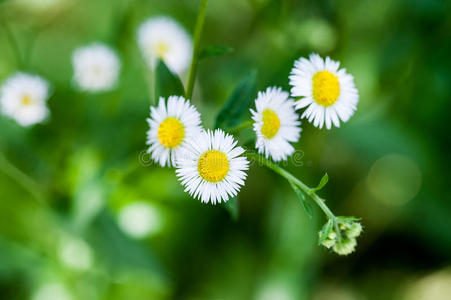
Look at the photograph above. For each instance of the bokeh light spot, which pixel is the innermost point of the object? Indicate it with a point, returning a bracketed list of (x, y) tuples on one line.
[(394, 180)]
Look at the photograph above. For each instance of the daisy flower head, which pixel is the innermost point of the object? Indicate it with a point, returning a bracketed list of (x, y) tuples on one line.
[(96, 67), (23, 97), (275, 123), (164, 38), (171, 124), (328, 92), (212, 167)]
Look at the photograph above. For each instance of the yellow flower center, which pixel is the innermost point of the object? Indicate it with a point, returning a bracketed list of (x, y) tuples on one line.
[(213, 166), (326, 88), (161, 50), (26, 100), (271, 123), (171, 132)]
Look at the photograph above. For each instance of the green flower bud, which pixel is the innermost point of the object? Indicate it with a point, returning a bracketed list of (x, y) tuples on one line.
[(354, 230), (328, 243), (343, 226), (345, 246)]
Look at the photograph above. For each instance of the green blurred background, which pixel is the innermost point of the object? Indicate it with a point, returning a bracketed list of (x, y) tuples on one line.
[(64, 184)]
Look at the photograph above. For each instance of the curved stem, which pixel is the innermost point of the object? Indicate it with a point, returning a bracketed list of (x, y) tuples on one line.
[(197, 34), (290, 177)]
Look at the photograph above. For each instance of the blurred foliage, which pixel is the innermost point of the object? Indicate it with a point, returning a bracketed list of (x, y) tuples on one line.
[(64, 183)]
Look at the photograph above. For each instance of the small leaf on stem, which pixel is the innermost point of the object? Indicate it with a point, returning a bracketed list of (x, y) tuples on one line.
[(325, 231), (307, 207), (343, 219), (166, 82), (322, 183)]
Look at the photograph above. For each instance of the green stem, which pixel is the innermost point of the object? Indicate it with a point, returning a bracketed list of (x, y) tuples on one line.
[(197, 34), (240, 127), (151, 77), (21, 178), (290, 177)]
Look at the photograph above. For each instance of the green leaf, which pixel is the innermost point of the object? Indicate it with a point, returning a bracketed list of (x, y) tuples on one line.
[(239, 103), (322, 183), (214, 50), (327, 229), (342, 219), (167, 83), (232, 207), (307, 207)]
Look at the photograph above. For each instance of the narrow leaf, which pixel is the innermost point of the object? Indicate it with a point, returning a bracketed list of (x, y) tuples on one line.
[(342, 219), (238, 104), (322, 182), (166, 82), (232, 207), (214, 50), (307, 207), (327, 229)]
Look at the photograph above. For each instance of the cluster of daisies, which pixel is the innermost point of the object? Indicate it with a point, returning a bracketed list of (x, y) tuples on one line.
[(23, 96), (209, 163), (211, 166)]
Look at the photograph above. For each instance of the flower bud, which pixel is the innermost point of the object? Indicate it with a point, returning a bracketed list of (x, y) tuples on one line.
[(354, 230), (328, 243), (345, 246), (343, 226)]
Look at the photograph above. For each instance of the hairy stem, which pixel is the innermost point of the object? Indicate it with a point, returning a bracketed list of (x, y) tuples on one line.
[(194, 60)]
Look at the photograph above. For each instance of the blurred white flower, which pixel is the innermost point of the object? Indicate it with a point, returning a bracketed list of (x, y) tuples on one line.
[(164, 38), (276, 123), (211, 167), (75, 254), (96, 67), (52, 291), (23, 97), (170, 126), (328, 93), (140, 219)]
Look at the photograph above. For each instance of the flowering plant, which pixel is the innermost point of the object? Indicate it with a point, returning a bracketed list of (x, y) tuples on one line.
[(210, 164)]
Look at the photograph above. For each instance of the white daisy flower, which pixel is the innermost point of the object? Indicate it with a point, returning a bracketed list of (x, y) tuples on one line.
[(276, 123), (96, 67), (23, 98), (328, 93), (211, 168), (170, 126), (164, 38)]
